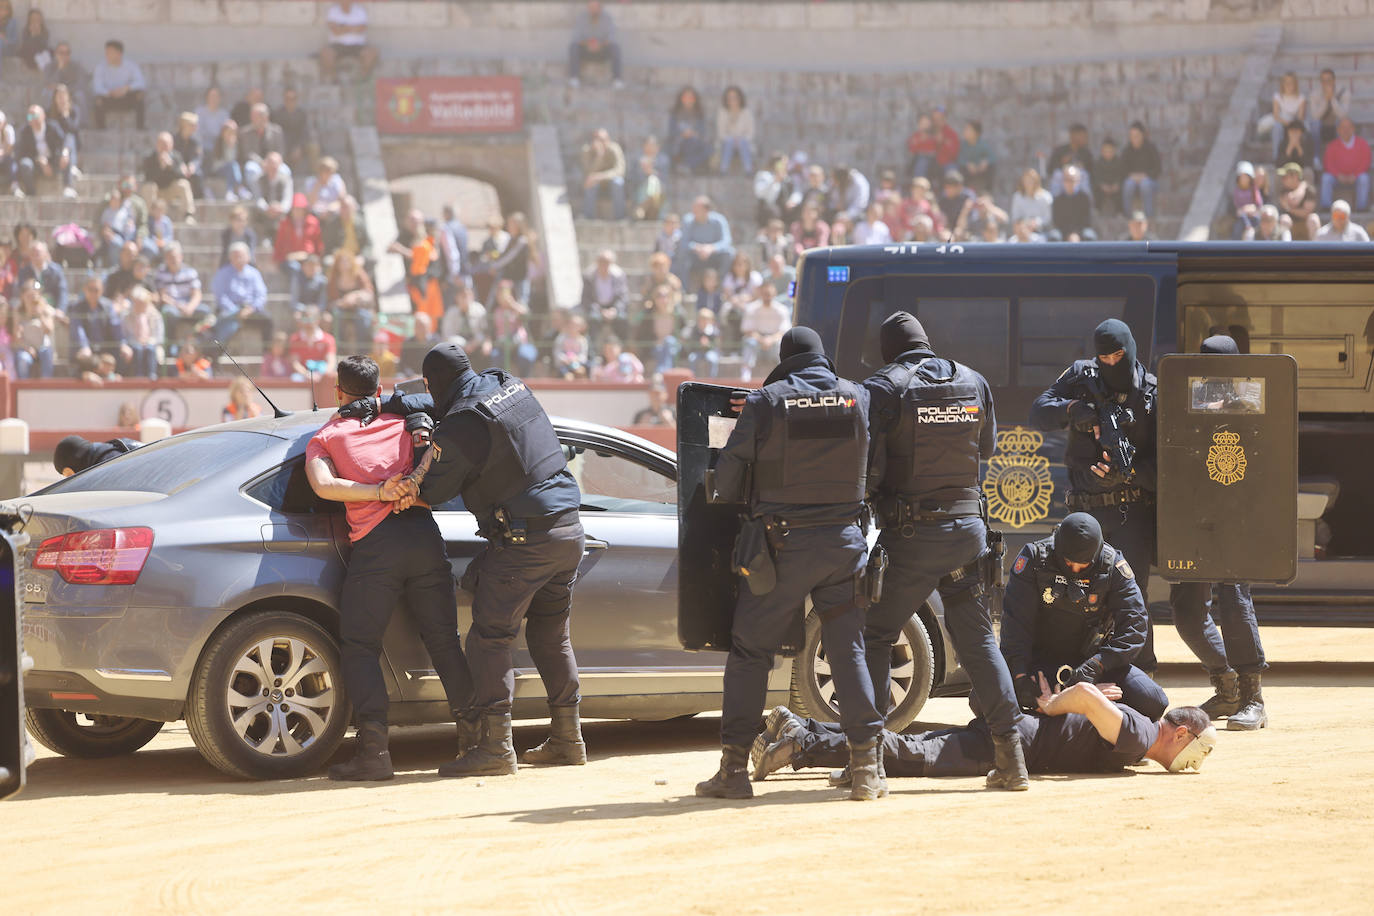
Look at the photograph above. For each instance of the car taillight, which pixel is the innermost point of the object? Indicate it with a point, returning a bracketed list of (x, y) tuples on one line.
[(104, 556)]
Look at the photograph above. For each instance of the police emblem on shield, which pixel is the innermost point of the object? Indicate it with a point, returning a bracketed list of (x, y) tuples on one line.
[(1018, 485), (1226, 458), (404, 104)]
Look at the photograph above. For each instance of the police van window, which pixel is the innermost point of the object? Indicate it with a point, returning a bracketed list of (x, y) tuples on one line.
[(1332, 342), (1053, 332), (975, 332), (613, 483), (970, 331)]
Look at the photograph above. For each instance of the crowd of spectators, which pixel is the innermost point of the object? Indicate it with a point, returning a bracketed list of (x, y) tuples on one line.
[(1320, 165), (728, 302), (141, 309)]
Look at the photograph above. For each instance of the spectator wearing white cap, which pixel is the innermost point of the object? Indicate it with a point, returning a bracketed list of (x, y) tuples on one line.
[(1342, 228)]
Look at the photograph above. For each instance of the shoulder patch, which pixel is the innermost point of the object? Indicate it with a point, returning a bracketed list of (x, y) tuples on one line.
[(1020, 564), (1125, 567)]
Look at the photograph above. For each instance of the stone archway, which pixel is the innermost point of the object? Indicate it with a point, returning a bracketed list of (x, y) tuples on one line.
[(478, 202)]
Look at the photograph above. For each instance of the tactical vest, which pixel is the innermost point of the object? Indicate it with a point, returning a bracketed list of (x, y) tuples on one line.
[(816, 451), (1073, 609), (524, 447), (934, 445)]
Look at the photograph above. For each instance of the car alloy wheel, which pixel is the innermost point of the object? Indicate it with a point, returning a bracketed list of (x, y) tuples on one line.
[(910, 679), (280, 696), (267, 699)]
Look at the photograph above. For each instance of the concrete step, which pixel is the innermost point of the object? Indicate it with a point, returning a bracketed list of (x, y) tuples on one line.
[(596, 234), (86, 211)]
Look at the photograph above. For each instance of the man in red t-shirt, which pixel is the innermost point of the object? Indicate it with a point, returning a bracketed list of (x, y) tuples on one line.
[(358, 458), (312, 349)]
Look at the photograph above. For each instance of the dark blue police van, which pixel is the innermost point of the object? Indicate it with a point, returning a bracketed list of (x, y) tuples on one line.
[(1020, 314)]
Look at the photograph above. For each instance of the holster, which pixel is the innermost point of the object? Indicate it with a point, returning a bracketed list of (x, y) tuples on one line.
[(868, 588), (753, 556), (994, 568), (893, 513)]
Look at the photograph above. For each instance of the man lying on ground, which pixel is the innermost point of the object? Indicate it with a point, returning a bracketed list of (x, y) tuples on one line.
[(1082, 730)]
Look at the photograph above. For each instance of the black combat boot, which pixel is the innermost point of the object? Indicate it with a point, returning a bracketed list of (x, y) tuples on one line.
[(564, 746), (770, 756), (469, 731), (1226, 701), (732, 779), (373, 760), (864, 768), (1251, 714), (494, 755), (780, 720), (1009, 764)]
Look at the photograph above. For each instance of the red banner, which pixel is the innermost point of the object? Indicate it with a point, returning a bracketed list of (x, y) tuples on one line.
[(449, 105)]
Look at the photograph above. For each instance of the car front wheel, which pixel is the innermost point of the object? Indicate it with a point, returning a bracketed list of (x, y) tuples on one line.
[(911, 677), (79, 734), (267, 698)]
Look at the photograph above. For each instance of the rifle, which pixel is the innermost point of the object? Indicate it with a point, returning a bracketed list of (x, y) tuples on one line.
[(1112, 420)]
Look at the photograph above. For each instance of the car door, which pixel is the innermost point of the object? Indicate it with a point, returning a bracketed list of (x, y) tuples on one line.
[(624, 624), (624, 616)]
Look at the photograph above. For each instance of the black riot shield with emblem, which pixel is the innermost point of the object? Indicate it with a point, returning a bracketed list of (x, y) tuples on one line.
[(707, 586), (1228, 468)]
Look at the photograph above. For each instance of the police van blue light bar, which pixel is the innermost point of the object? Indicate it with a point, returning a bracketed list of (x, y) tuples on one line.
[(838, 274)]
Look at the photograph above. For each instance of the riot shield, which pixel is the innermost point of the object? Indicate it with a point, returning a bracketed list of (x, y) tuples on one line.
[(1228, 468), (15, 753), (707, 586)]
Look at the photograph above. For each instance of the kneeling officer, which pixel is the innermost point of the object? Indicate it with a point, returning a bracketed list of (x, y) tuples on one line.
[(495, 446), (1073, 612), (804, 438)]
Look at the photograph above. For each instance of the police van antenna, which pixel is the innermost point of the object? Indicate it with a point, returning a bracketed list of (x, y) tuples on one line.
[(310, 371), (277, 412)]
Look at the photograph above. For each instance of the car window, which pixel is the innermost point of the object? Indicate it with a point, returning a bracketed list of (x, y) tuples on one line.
[(169, 465), (612, 482), (287, 489)]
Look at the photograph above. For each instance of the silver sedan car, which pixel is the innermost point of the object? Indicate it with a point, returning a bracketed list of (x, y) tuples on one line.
[(198, 578)]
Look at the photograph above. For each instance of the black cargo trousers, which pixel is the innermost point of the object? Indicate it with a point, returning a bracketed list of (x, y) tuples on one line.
[(530, 583), (403, 558)]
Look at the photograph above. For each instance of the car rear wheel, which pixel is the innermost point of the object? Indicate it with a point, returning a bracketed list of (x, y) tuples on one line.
[(912, 674), (267, 699), (77, 734)]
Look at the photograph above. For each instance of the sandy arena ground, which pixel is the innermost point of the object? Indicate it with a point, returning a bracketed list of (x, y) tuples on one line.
[(1279, 821)]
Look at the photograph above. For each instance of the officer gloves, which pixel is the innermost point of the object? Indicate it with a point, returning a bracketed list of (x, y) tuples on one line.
[(1027, 693), (1082, 416), (1090, 671), (420, 425)]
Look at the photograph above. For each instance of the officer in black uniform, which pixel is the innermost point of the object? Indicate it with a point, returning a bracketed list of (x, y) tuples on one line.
[(1233, 655), (803, 438), (1121, 499), (1080, 730), (933, 422), (75, 454), (495, 446), (1073, 613)]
